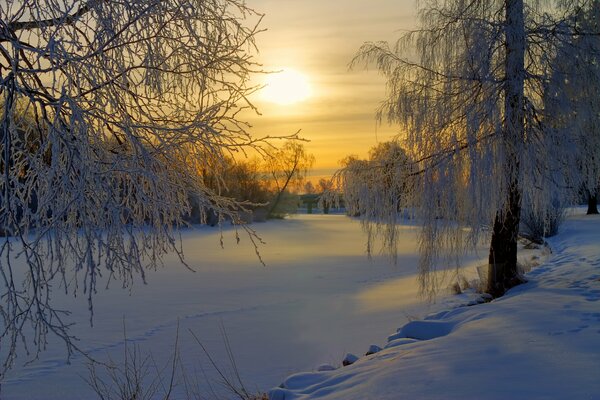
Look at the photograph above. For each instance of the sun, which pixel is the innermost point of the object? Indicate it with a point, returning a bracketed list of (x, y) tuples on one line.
[(286, 87)]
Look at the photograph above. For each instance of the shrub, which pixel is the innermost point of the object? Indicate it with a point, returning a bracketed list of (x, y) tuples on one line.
[(539, 224)]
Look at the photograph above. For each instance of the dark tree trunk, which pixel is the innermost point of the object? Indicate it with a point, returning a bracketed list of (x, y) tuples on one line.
[(282, 190), (502, 272), (592, 204)]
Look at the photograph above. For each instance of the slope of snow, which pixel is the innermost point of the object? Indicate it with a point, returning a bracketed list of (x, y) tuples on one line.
[(540, 341), (318, 298)]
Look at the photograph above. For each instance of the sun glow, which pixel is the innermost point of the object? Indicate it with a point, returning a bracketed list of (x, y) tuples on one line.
[(286, 87)]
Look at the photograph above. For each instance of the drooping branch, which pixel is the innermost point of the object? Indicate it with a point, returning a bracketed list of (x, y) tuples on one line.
[(451, 87), (116, 108)]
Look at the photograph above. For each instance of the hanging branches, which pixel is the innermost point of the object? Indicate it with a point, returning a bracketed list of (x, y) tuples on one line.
[(110, 111)]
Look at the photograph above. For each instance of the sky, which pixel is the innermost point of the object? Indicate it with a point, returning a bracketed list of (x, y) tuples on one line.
[(317, 39)]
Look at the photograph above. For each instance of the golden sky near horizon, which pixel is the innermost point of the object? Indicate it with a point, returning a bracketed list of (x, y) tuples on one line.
[(315, 40)]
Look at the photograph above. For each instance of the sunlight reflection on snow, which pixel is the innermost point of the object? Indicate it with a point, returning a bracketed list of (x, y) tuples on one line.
[(387, 295)]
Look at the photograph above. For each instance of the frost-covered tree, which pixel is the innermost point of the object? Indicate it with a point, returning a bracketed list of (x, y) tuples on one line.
[(109, 111), (326, 186), (354, 184), (571, 99), (377, 189), (466, 87)]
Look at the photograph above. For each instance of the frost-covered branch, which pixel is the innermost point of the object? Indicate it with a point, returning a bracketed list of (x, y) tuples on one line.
[(467, 88), (110, 110)]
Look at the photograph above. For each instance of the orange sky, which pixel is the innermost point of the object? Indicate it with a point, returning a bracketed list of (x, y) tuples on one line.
[(319, 38)]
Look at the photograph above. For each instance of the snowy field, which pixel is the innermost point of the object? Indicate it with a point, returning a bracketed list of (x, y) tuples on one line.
[(540, 341), (318, 298)]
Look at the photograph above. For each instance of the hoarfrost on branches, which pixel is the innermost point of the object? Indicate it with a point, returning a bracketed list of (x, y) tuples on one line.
[(109, 110), (571, 96), (467, 88), (376, 189)]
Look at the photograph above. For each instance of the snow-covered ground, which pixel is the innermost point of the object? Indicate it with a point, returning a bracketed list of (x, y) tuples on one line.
[(540, 341), (318, 298)]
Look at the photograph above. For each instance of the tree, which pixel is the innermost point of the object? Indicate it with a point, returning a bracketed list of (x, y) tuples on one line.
[(129, 100), (287, 168), (326, 186), (570, 99), (309, 188), (352, 182), (239, 179), (470, 107), (377, 189)]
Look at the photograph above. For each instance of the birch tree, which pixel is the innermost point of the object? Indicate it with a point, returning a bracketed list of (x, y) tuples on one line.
[(467, 88), (109, 111), (571, 100)]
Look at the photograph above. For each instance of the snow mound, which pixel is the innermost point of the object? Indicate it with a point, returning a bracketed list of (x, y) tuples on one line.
[(425, 330), (373, 349), (349, 359)]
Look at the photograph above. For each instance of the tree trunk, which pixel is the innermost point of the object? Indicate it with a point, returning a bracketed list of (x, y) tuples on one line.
[(502, 272), (281, 190), (592, 204)]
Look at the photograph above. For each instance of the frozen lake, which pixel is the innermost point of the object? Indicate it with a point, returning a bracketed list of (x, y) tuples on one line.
[(318, 297)]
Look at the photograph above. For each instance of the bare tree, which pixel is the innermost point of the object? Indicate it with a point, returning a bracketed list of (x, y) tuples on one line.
[(287, 168), (469, 101), (110, 109), (309, 188), (325, 185)]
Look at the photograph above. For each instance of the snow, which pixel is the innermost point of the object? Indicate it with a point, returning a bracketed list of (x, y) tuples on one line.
[(540, 341), (424, 330), (373, 349), (349, 358), (318, 298)]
